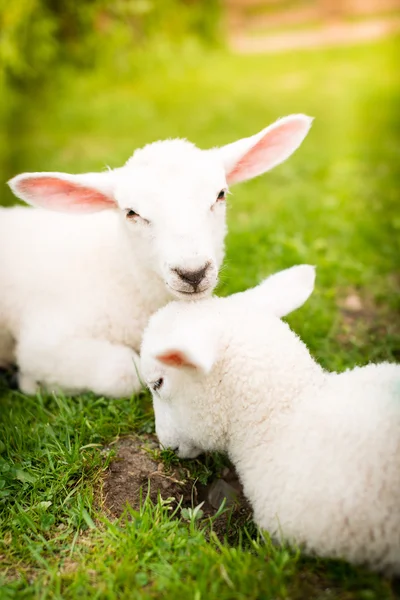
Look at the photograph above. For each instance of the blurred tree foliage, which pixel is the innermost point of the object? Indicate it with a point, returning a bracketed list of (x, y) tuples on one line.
[(44, 42), (38, 36)]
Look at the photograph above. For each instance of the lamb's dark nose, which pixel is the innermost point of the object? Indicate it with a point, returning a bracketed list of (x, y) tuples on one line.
[(192, 277)]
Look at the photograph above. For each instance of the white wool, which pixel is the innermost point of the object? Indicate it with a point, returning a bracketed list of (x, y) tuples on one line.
[(318, 453), (78, 289)]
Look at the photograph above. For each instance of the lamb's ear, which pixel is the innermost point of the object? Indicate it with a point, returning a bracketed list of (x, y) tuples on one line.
[(62, 192), (259, 153), (198, 352), (285, 291)]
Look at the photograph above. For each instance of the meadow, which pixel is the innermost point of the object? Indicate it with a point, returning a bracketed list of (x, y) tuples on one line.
[(334, 204)]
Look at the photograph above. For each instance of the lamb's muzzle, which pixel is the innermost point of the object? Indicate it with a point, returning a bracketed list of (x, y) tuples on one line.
[(194, 282), (193, 277)]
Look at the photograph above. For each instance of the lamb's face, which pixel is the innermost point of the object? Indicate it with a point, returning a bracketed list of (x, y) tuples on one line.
[(186, 396), (194, 362), (171, 197)]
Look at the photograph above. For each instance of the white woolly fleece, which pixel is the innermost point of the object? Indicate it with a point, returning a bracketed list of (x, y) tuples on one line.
[(318, 453), (78, 289)]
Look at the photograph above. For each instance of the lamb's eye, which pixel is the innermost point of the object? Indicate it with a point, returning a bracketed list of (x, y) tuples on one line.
[(131, 214), (221, 196), (157, 384)]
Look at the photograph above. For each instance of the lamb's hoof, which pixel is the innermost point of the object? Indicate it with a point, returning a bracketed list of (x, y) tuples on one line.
[(27, 385)]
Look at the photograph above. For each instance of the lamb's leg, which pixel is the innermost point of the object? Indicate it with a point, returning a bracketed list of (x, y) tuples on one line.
[(74, 365)]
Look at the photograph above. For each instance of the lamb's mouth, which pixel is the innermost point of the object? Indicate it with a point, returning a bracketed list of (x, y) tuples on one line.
[(195, 294)]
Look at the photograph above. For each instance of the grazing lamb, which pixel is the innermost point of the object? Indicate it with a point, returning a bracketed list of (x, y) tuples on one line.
[(77, 290), (318, 453)]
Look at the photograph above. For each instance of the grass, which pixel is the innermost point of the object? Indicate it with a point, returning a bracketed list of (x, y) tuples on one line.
[(333, 204)]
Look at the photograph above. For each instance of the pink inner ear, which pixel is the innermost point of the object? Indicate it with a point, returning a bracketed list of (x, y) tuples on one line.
[(174, 359), (273, 148), (61, 195)]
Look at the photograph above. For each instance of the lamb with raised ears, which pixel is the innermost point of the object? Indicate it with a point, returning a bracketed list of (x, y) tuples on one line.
[(77, 290), (318, 453)]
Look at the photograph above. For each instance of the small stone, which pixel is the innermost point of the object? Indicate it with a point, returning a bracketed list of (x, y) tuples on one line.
[(219, 491)]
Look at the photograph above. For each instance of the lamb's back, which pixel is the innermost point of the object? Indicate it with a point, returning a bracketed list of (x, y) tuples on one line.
[(334, 483)]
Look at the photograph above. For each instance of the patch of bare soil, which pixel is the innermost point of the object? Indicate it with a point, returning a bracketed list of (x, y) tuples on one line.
[(135, 473)]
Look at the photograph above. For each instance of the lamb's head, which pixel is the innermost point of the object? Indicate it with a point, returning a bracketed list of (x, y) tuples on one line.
[(196, 356), (171, 199)]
